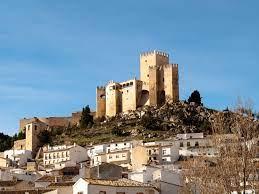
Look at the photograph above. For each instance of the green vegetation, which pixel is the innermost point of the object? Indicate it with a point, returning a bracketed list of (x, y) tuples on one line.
[(44, 137), (6, 141), (195, 97), (86, 120)]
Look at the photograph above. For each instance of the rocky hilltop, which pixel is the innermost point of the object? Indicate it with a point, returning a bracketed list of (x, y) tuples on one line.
[(151, 123)]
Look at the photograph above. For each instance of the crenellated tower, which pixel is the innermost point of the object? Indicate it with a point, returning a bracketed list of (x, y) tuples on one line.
[(158, 83), (151, 59), (100, 102), (171, 82)]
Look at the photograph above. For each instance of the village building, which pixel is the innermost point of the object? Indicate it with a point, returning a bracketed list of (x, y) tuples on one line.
[(120, 186), (166, 178), (5, 162), (5, 175), (18, 157), (64, 155), (195, 144), (102, 171), (162, 152)]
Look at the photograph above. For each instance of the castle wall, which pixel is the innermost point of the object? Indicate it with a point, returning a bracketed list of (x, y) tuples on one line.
[(153, 86), (171, 83), (129, 95), (50, 121), (20, 144), (56, 121), (100, 102), (76, 116), (32, 131), (113, 99), (151, 59), (158, 82), (24, 122)]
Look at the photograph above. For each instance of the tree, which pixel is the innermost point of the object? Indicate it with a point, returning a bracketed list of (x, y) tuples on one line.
[(234, 169), (44, 137), (5, 142), (86, 118), (21, 135), (195, 97)]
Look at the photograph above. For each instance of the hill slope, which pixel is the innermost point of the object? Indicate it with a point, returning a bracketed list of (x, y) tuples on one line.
[(148, 124)]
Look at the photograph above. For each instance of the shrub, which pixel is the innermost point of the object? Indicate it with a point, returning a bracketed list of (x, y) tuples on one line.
[(195, 97)]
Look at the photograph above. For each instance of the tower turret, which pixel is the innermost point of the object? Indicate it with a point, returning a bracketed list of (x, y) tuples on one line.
[(100, 102), (151, 59)]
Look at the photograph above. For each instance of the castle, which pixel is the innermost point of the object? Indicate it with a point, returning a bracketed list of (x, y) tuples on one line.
[(158, 83)]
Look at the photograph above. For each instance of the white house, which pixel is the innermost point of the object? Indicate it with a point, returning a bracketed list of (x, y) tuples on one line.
[(116, 146), (162, 152), (167, 180), (60, 154), (19, 157), (117, 153), (120, 186), (170, 153), (195, 144)]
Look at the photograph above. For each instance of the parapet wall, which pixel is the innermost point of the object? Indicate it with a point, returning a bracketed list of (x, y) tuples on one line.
[(20, 144), (50, 121), (155, 53)]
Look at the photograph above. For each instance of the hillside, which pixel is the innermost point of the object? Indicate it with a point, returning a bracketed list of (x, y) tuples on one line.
[(148, 124)]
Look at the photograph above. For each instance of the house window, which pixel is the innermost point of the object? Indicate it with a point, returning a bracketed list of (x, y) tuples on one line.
[(35, 127), (81, 192), (181, 144), (140, 193), (131, 83), (196, 143), (164, 152), (120, 192), (102, 192), (117, 156), (188, 144), (110, 157), (149, 152), (147, 75)]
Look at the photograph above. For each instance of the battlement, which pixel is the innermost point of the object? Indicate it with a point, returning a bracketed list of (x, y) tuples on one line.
[(100, 88), (171, 65), (154, 53)]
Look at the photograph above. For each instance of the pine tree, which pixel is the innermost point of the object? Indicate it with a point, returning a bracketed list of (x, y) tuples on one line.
[(86, 118), (195, 97)]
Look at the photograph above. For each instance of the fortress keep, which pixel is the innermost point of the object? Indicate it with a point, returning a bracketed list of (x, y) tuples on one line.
[(158, 83)]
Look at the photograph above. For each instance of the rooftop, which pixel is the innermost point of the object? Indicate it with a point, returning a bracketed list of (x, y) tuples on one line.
[(118, 183)]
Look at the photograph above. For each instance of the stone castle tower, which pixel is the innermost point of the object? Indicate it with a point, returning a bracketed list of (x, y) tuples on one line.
[(158, 83)]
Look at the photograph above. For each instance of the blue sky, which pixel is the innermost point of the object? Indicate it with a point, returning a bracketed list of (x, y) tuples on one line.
[(53, 54)]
